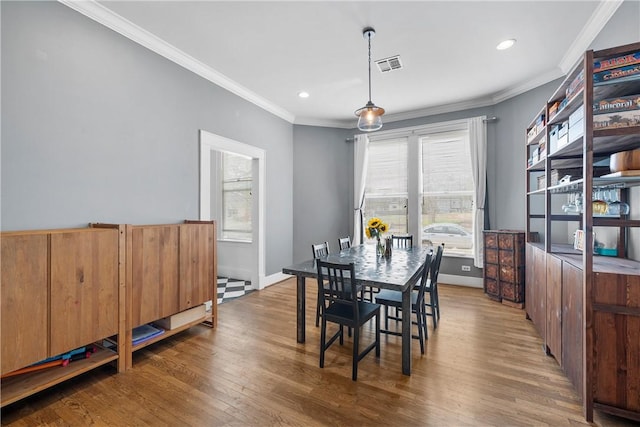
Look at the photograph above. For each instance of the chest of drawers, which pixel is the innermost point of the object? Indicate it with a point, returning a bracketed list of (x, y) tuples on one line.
[(504, 265)]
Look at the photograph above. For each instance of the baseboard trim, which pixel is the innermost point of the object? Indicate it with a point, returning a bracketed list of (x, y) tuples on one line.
[(451, 279), (272, 279)]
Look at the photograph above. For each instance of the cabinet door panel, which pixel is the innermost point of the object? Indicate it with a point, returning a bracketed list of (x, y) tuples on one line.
[(155, 278), (616, 334), (554, 306), (24, 307), (196, 264), (84, 288), (572, 325)]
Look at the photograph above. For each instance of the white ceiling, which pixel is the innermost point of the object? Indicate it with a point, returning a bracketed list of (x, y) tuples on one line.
[(269, 51)]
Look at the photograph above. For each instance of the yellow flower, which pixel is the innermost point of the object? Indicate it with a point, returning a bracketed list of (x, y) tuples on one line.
[(382, 227), (374, 222), (368, 232)]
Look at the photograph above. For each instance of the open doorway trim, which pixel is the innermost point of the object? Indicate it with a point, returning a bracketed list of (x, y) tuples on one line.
[(211, 142)]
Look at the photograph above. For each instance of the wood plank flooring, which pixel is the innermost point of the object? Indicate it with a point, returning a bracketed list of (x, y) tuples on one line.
[(484, 366)]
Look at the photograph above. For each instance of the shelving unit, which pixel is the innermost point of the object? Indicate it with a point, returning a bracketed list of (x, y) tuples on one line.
[(586, 307)]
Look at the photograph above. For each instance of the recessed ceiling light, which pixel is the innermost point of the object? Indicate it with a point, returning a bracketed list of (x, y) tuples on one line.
[(303, 94), (506, 44)]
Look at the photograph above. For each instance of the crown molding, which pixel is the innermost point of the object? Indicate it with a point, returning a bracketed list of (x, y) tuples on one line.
[(104, 16), (604, 11), (92, 9), (528, 85)]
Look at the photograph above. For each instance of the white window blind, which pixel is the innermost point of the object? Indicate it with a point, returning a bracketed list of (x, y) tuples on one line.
[(236, 197), (386, 193), (447, 191)]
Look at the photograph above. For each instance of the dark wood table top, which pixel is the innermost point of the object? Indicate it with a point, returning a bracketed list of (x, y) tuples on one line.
[(398, 272)]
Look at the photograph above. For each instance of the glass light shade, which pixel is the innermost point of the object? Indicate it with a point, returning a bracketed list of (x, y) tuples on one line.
[(370, 117)]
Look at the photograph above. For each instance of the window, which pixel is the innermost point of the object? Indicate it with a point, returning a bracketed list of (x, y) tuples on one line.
[(420, 181), (447, 191), (236, 197), (386, 183)]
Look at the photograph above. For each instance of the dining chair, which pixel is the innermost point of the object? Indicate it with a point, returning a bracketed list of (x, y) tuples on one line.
[(390, 298), (432, 288), (319, 250), (402, 241), (344, 242), (340, 305)]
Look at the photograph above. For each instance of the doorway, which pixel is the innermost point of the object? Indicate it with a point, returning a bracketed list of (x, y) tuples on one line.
[(243, 260)]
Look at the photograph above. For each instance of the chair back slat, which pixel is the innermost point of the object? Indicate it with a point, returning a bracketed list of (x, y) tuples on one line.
[(403, 241)]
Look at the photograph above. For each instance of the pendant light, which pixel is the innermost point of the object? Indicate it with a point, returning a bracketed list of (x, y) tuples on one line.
[(369, 116)]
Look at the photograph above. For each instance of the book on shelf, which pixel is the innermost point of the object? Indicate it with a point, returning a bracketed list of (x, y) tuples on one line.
[(144, 333)]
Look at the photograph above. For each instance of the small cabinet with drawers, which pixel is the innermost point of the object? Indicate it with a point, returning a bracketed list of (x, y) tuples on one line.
[(504, 266)]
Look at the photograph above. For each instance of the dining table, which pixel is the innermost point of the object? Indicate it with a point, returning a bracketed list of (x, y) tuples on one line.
[(399, 272)]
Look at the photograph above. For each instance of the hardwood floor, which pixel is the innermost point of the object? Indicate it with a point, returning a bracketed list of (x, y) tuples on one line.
[(484, 366)]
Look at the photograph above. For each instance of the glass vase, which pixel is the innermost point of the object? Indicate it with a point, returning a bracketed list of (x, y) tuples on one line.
[(379, 247)]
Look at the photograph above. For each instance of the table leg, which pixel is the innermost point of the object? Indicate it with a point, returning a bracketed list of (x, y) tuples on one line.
[(406, 332), (301, 302)]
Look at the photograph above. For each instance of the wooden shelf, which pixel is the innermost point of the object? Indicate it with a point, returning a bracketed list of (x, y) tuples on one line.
[(20, 386), (168, 333)]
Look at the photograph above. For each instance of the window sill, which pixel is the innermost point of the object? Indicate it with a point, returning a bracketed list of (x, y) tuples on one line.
[(235, 241)]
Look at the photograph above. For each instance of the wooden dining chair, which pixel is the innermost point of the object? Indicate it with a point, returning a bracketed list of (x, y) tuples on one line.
[(390, 298), (340, 305), (402, 241), (344, 242)]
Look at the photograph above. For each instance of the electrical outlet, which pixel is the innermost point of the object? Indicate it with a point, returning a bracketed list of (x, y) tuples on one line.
[(466, 268)]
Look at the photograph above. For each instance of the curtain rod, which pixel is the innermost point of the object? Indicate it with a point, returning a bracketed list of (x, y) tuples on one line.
[(487, 120)]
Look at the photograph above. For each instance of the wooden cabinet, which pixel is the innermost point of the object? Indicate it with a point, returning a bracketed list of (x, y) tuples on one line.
[(572, 325), (170, 268), (61, 290), (504, 266), (553, 337), (25, 292), (616, 336), (536, 300), (590, 304)]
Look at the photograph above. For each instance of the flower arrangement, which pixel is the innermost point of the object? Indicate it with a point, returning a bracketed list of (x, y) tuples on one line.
[(375, 228)]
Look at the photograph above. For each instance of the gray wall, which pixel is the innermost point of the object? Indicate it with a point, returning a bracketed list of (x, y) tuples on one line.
[(97, 128), (323, 188)]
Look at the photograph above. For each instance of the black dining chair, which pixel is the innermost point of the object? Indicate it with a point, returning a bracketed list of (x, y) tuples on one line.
[(319, 250), (344, 242), (390, 298), (432, 288), (402, 241), (340, 305)]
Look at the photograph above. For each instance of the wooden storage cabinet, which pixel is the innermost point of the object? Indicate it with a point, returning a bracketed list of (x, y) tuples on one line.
[(504, 266), (61, 290), (536, 290), (572, 325), (170, 268)]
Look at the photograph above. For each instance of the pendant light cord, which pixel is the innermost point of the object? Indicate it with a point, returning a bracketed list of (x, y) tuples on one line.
[(369, 39)]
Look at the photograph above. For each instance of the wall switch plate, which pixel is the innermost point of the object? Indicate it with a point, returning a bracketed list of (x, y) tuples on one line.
[(466, 268)]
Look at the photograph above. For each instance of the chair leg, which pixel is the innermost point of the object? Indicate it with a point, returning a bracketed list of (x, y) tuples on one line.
[(437, 302), (318, 313), (356, 339), (378, 335), (432, 301), (323, 337), (420, 327), (342, 334), (386, 317)]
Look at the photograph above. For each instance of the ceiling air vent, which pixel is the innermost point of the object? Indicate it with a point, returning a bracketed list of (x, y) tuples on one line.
[(389, 64)]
